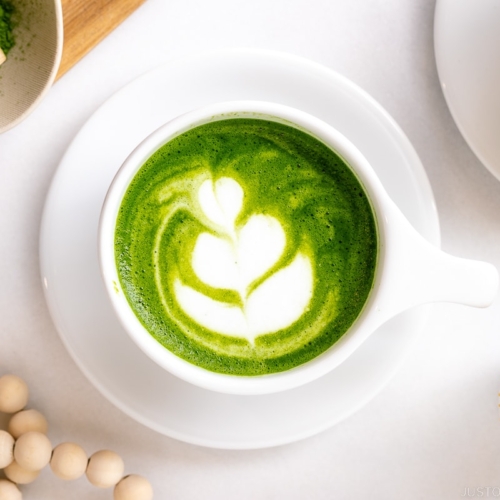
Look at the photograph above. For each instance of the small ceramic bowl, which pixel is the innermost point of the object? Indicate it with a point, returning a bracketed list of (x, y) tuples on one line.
[(32, 64)]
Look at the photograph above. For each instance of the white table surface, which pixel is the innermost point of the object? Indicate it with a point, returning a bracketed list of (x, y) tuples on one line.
[(434, 430)]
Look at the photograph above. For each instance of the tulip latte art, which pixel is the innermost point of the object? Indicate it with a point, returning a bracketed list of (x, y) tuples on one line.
[(246, 246)]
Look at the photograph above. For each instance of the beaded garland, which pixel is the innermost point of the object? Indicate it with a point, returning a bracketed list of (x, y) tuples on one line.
[(25, 450)]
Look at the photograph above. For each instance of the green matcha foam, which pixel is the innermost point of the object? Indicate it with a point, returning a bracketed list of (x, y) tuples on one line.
[(246, 246)]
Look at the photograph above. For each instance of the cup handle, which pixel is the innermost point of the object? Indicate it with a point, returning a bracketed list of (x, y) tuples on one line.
[(416, 272)]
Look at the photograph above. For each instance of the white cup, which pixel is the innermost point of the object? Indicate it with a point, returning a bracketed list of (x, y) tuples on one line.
[(410, 271)]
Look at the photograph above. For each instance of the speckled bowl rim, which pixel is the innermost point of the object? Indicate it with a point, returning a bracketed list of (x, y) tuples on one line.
[(52, 76)]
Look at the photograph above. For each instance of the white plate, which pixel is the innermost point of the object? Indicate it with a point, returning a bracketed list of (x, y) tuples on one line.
[(467, 45), (76, 296)]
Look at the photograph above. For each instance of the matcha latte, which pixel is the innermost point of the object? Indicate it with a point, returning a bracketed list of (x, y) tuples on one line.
[(245, 246)]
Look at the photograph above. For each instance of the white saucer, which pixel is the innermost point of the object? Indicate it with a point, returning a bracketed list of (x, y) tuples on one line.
[(77, 299), (467, 46)]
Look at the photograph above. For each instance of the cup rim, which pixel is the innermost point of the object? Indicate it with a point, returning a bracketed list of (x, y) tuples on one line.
[(237, 384)]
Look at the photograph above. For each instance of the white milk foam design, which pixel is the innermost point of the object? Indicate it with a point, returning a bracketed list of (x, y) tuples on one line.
[(234, 260)]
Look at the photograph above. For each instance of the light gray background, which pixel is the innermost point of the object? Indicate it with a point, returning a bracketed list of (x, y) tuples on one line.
[(434, 430)]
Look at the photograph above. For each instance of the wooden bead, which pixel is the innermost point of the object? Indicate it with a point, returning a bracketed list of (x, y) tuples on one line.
[(26, 421), (32, 451), (19, 475), (6, 450), (13, 394), (69, 461), (133, 487), (105, 469), (9, 491)]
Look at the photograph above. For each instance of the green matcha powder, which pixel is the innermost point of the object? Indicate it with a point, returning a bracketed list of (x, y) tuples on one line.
[(6, 37)]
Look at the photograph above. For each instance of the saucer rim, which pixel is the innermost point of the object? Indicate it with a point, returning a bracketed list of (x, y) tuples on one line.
[(385, 120)]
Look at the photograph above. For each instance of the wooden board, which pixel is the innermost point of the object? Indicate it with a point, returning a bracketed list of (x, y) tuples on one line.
[(87, 22)]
